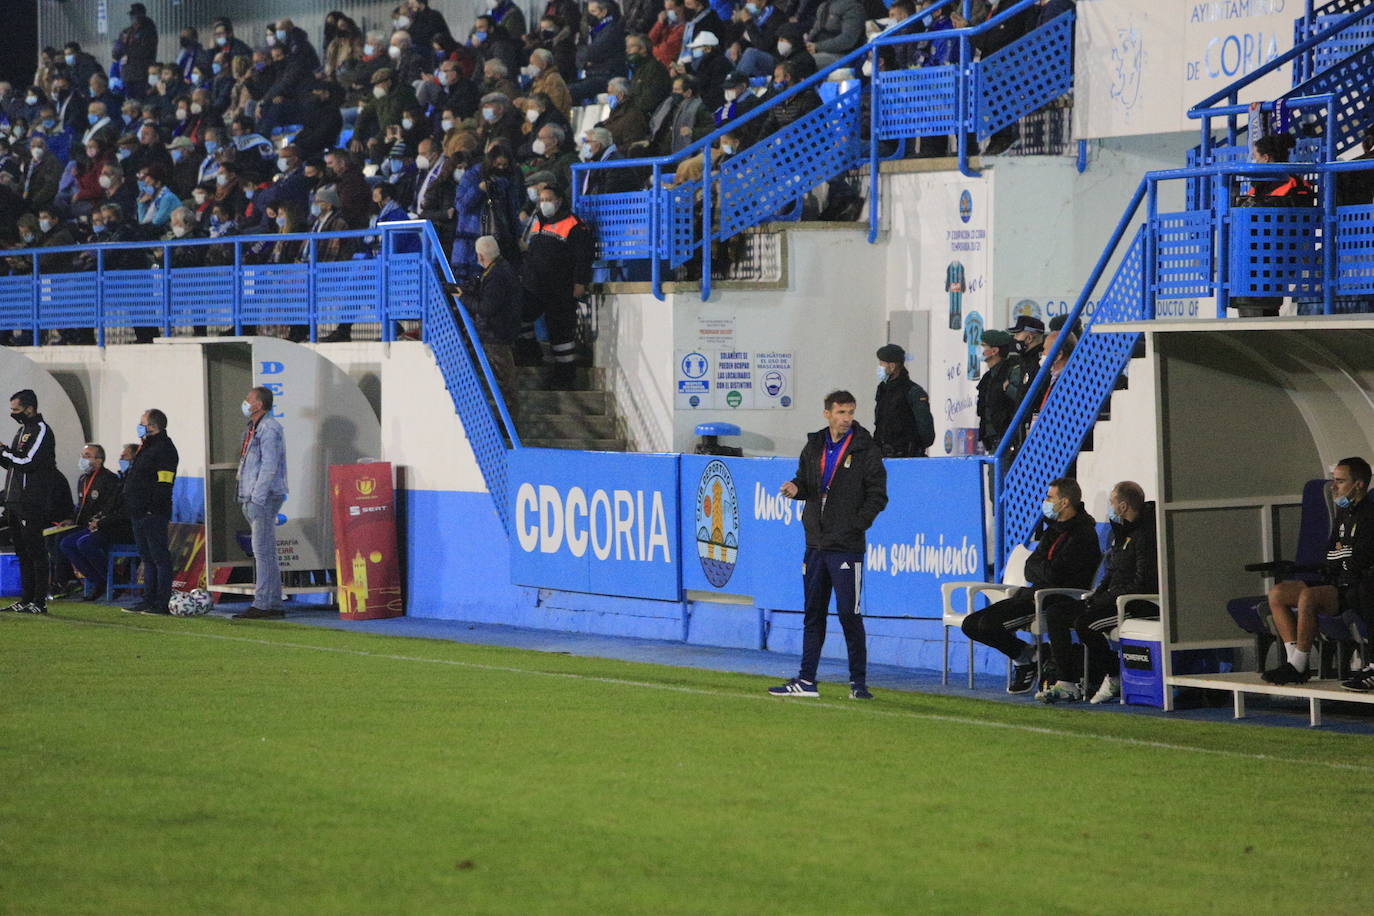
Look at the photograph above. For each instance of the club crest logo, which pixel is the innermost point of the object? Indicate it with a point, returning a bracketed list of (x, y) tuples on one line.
[(717, 524), (365, 486)]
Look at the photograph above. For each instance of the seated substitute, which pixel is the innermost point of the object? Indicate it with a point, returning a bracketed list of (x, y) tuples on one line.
[(1348, 570), (97, 523), (1131, 570), (1066, 557)]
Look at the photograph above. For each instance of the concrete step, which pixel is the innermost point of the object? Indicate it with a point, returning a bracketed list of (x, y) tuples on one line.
[(531, 378), (590, 445), (565, 426), (597, 403)]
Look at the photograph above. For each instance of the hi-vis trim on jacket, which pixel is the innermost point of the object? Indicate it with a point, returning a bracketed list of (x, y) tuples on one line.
[(561, 229)]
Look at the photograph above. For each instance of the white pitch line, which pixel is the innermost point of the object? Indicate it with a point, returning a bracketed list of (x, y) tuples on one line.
[(855, 707)]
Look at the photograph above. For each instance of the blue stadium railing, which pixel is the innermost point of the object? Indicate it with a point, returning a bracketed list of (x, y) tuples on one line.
[(404, 281), (670, 226)]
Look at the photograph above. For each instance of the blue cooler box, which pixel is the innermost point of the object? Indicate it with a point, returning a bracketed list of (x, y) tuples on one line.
[(1142, 675), (10, 584)]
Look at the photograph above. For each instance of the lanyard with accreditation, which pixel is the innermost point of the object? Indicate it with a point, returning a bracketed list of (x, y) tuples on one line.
[(828, 472)]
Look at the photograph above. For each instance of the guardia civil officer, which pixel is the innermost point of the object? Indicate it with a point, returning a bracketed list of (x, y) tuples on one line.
[(557, 269), (841, 478), (902, 424), (148, 500), (31, 460)]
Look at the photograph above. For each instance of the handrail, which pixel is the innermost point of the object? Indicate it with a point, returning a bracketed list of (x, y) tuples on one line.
[(380, 229), (1201, 108)]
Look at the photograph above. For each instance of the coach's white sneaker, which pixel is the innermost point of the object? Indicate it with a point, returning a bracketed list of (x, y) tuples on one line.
[(1110, 690)]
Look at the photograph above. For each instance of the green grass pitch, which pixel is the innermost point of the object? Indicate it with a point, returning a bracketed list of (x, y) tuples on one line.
[(152, 765)]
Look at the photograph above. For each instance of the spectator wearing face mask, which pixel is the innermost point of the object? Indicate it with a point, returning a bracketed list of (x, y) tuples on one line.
[(649, 80), (599, 146), (499, 121), (149, 150), (229, 188), (709, 66), (602, 55), (399, 170), (785, 77), (227, 42), (327, 218), (681, 119), (136, 49), (191, 54), (90, 189), (185, 167), (389, 101), (556, 272), (557, 40), (666, 33), (491, 42), (546, 80), (407, 63), (553, 151), (42, 176), (289, 184), (434, 191), (355, 197), (155, 200), (487, 201), (115, 187), (99, 126), (321, 121), (626, 123), (80, 65), (791, 48), (450, 91), (209, 166)]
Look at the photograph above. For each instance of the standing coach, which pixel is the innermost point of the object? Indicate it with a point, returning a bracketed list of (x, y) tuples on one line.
[(31, 460), (841, 477), (148, 500), (261, 491)]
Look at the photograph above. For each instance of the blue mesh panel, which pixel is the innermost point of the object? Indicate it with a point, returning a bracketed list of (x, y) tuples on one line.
[(203, 296), (679, 223), (67, 300), (464, 381), (404, 278), (1349, 81), (920, 102), (1074, 401), (1030, 72), (16, 302), (1338, 47), (347, 291), (1274, 251), (133, 298), (760, 180), (1198, 194), (276, 294), (1183, 254), (620, 223), (1355, 249)]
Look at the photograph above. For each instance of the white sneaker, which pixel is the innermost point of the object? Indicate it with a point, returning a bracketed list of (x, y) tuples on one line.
[(1110, 690), (1060, 692)]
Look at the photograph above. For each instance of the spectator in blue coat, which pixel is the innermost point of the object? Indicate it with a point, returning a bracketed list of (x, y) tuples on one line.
[(487, 202)]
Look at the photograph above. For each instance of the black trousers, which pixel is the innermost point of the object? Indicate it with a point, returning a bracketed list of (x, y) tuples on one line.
[(824, 572), (996, 624), (32, 551)]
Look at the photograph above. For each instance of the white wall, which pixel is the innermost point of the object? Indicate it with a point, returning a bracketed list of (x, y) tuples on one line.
[(635, 345)]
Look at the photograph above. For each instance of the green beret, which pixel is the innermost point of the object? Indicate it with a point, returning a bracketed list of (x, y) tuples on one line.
[(995, 338)]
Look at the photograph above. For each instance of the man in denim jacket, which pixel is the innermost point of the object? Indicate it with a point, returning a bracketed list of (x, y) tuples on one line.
[(261, 491)]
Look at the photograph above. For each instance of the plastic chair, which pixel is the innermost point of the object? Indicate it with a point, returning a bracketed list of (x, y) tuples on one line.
[(122, 552), (1251, 613), (1104, 533), (1013, 580)]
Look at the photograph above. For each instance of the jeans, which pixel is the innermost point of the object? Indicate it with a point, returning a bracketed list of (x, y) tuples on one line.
[(826, 571), (88, 551), (262, 520), (151, 537)]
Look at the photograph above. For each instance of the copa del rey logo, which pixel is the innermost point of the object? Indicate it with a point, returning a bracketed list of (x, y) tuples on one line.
[(365, 486), (621, 524)]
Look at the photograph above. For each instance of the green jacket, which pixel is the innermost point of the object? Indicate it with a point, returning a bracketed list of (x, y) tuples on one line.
[(649, 86), (379, 114)]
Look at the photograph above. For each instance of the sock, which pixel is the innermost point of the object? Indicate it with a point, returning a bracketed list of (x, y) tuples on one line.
[(1299, 660), (1292, 649)]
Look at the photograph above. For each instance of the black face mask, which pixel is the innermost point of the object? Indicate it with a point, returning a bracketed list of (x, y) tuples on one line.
[(19, 417)]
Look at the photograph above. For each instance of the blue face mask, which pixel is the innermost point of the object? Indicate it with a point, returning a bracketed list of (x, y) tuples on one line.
[(216, 68), (84, 464), (176, 155), (246, 408), (140, 430), (98, 228), (90, 118), (1343, 502), (49, 123), (145, 188), (1047, 509), (123, 465), (613, 101), (210, 147), (480, 36), (1113, 516)]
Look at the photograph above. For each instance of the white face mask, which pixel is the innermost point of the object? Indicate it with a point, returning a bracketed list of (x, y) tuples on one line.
[(37, 153), (868, 68), (731, 95), (394, 52), (458, 175), (45, 225), (195, 78), (197, 108), (584, 152), (446, 124), (153, 80), (200, 197), (401, 22), (283, 163), (881, 374), (221, 179), (422, 163), (369, 50), (784, 48), (84, 464), (539, 147), (221, 40), (407, 124), (178, 231), (532, 193), (181, 114), (727, 149), (531, 71), (532, 114), (106, 182), (548, 208), (489, 115), (30, 100), (445, 77), (379, 92)]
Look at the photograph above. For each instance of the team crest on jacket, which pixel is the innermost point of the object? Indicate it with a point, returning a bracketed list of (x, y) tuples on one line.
[(717, 523)]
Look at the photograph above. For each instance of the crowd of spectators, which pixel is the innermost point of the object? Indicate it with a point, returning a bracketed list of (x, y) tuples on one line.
[(277, 132)]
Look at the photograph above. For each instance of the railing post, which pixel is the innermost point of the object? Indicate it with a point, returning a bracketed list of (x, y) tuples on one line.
[(657, 204), (706, 223), (37, 274), (238, 289), (99, 296), (1330, 275), (963, 106), (312, 307), (1149, 275), (384, 272), (873, 120), (1221, 210), (166, 291)]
